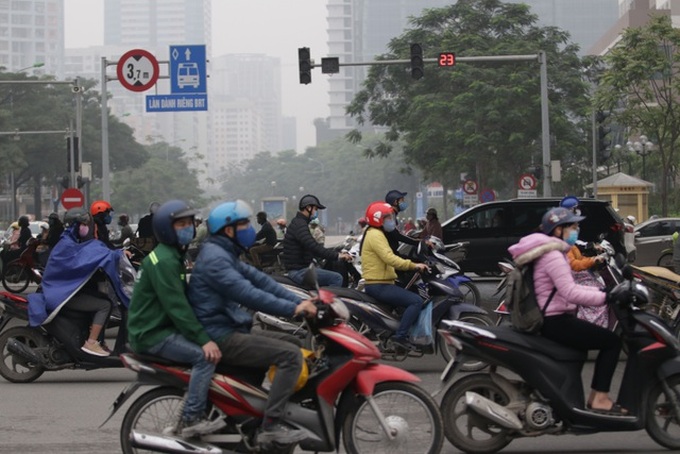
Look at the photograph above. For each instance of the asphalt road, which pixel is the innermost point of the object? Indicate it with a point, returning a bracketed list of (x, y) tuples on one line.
[(61, 412)]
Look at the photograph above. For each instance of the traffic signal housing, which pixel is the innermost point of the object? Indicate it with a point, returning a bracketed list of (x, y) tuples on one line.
[(305, 65), (417, 70), (604, 149)]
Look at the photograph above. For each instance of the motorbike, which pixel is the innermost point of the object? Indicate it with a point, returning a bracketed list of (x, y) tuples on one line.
[(27, 352), (376, 407), (542, 393), (20, 272), (665, 285)]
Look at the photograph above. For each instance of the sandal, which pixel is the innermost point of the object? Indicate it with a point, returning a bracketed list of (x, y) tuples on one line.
[(615, 410)]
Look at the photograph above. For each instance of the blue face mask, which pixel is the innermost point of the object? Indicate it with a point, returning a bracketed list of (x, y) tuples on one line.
[(389, 225), (246, 237), (403, 206), (107, 219), (185, 235), (571, 239)]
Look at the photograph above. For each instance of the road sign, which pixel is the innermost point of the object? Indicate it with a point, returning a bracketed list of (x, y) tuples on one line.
[(470, 187), (175, 103), (470, 200), (137, 70), (527, 182), (487, 195), (527, 193), (188, 69), (72, 198)]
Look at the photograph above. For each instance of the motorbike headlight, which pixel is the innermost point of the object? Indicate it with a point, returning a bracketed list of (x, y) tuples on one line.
[(340, 309)]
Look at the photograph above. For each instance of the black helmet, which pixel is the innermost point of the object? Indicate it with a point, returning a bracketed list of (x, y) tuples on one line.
[(165, 215), (23, 221), (76, 215), (394, 195), (124, 218), (309, 199)]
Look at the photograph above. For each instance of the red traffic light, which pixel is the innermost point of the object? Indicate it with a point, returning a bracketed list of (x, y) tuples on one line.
[(447, 59)]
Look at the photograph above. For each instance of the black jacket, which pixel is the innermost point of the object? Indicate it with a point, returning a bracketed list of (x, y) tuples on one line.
[(395, 237), (300, 247), (267, 233)]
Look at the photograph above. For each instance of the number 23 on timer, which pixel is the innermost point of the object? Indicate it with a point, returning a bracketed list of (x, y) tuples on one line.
[(447, 59)]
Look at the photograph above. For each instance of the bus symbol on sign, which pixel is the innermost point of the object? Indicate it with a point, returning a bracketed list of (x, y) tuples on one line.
[(188, 75)]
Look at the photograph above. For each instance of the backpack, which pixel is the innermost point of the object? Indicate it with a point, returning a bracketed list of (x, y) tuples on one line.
[(520, 298)]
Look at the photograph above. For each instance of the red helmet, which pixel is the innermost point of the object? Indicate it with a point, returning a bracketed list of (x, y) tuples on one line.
[(376, 212), (100, 206)]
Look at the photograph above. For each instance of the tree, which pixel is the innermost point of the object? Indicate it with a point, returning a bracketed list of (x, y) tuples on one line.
[(640, 85), (481, 118)]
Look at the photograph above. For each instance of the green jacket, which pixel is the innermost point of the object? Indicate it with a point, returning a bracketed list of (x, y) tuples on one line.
[(159, 306)]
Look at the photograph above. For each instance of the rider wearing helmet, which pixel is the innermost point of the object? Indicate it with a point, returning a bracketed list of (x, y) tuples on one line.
[(546, 250), (397, 200), (265, 239), (125, 229), (56, 229), (378, 265), (224, 292), (101, 212), (161, 322), (147, 240), (300, 247)]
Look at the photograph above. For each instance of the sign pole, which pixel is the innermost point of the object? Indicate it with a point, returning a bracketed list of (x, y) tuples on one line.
[(71, 153), (106, 191)]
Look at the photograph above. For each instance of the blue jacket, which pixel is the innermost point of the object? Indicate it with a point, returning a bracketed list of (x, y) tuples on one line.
[(70, 265), (222, 287)]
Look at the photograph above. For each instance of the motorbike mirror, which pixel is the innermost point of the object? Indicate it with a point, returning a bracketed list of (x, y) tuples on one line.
[(627, 272), (310, 279), (620, 260), (126, 243)]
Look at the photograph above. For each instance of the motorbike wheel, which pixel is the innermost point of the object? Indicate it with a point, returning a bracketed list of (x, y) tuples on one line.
[(470, 293), (153, 412), (466, 429), (666, 260), (662, 424), (14, 368), (16, 277), (412, 415), (447, 351)]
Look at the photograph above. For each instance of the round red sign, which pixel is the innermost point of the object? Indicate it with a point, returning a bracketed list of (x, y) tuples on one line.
[(72, 198), (137, 70)]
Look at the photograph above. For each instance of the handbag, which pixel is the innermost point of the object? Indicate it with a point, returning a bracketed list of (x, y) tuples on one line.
[(421, 331)]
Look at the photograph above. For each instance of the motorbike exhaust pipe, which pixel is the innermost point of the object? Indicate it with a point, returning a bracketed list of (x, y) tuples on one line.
[(20, 349), (172, 445), (493, 411)]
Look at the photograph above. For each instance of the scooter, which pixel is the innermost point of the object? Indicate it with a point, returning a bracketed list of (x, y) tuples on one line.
[(377, 407), (27, 352), (543, 392)]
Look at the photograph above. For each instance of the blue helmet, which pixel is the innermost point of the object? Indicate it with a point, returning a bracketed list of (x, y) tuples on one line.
[(569, 201), (164, 217), (228, 213)]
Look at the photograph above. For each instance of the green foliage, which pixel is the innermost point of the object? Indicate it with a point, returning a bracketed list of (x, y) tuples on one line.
[(483, 118), (641, 86)]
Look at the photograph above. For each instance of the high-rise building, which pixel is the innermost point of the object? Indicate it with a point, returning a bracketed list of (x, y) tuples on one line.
[(358, 30), (32, 31)]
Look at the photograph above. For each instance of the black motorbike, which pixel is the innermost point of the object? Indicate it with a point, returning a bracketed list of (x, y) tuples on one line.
[(534, 385), (27, 352)]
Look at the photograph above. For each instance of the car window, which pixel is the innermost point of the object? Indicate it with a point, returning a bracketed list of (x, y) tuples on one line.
[(652, 229), (528, 218), (491, 217)]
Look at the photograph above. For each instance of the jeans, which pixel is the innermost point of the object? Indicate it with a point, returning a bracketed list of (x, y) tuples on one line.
[(261, 350), (177, 348), (394, 295), (325, 278)]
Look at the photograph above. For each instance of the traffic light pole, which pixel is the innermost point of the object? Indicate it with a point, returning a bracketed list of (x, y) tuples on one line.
[(594, 127), (545, 115)]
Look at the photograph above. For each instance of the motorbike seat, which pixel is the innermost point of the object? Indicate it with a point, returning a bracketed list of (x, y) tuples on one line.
[(538, 343), (358, 295)]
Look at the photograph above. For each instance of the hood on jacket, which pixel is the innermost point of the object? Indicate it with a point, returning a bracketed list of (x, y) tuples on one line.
[(535, 245)]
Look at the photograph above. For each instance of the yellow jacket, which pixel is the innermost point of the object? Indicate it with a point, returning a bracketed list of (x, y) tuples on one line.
[(378, 262)]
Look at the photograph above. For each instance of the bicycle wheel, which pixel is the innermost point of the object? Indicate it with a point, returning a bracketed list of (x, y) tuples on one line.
[(15, 277), (413, 418)]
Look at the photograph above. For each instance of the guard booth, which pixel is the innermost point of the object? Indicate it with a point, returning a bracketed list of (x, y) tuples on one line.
[(630, 195)]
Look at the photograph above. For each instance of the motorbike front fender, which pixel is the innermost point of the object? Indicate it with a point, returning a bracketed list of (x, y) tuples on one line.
[(121, 399), (459, 279), (669, 368), (365, 382), (458, 309)]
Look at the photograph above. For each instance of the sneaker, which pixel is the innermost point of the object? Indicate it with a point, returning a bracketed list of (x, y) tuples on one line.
[(280, 434), (201, 426), (93, 348)]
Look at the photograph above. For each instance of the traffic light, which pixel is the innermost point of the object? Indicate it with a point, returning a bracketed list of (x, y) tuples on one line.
[(417, 70), (537, 172), (65, 181), (305, 63), (603, 142)]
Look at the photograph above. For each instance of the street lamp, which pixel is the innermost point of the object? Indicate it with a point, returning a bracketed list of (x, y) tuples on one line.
[(323, 168), (643, 148), (33, 66)]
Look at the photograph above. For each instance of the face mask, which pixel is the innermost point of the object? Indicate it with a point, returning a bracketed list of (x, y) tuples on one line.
[(83, 230), (313, 215), (571, 239), (185, 235), (389, 225), (402, 206), (246, 237), (107, 219)]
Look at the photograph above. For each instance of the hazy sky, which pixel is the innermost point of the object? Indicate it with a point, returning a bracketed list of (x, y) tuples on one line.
[(271, 27)]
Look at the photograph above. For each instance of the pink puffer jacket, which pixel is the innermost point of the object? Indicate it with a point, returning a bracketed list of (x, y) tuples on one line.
[(551, 270)]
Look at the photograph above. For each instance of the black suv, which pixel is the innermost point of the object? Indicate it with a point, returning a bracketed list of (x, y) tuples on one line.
[(490, 228)]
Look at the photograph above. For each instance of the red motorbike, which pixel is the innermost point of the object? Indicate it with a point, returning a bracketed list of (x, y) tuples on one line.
[(20, 272), (378, 408)]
